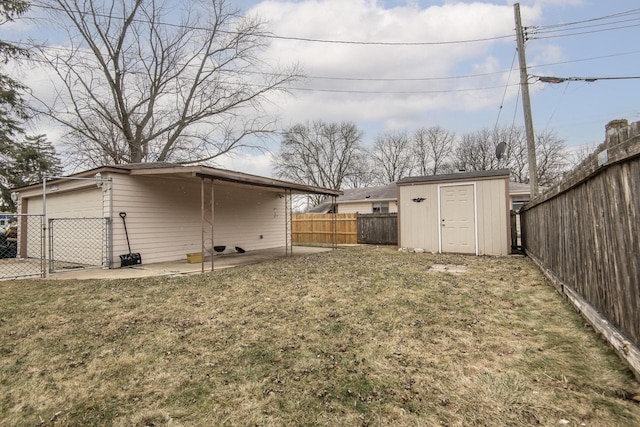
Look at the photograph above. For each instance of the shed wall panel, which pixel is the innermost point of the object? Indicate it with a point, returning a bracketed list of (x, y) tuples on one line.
[(419, 220), (493, 217)]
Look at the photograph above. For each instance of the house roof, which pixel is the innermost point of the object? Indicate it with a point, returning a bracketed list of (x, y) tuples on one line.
[(460, 176), (390, 192), (323, 207), (217, 174), (369, 194), (519, 188)]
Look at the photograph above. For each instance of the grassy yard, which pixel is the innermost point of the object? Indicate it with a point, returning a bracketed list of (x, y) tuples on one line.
[(362, 336)]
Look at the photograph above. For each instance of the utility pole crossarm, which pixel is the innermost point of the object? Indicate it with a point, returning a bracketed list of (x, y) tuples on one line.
[(526, 105)]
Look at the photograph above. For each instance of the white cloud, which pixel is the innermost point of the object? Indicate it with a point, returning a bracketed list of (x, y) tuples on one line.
[(364, 20), (247, 162)]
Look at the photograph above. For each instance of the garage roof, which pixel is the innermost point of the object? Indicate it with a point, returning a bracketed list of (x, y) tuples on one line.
[(207, 172)]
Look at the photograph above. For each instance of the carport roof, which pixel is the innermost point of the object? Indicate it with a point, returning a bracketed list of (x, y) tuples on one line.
[(206, 172)]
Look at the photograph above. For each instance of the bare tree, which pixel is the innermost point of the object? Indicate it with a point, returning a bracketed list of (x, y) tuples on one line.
[(433, 150), (515, 157), (392, 157), (551, 156), (477, 151), (142, 81), (323, 154), (576, 155)]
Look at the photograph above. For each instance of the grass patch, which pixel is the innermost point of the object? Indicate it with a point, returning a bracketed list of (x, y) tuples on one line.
[(359, 336)]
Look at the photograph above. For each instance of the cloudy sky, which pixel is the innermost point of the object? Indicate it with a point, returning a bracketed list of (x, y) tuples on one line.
[(420, 63)]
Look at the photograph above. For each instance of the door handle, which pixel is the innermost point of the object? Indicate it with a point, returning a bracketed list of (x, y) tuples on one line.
[(443, 222)]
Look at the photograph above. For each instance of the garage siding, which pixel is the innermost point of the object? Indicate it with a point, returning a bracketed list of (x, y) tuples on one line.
[(164, 219), (80, 202)]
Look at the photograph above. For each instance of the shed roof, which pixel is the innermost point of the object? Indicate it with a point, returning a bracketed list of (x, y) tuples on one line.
[(460, 176), (199, 171)]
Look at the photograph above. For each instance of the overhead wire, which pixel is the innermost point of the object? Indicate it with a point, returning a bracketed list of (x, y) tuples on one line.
[(269, 35), (600, 18), (553, 113), (570, 28), (557, 30), (34, 45), (540, 33), (506, 87), (411, 92), (534, 37)]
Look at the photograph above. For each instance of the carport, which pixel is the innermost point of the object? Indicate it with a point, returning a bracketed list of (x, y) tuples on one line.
[(171, 211)]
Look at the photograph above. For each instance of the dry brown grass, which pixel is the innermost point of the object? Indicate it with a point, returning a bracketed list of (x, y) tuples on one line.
[(362, 336)]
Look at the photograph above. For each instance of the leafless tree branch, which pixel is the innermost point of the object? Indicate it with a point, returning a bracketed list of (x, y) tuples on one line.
[(138, 83)]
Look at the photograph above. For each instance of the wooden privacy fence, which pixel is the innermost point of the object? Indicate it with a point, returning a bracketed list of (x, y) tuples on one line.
[(350, 228), (378, 229), (585, 235), (319, 229)]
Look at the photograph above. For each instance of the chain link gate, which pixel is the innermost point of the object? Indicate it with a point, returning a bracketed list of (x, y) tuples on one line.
[(78, 243), (22, 244)]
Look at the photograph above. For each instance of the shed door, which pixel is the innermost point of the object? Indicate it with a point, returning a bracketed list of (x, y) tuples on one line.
[(457, 219)]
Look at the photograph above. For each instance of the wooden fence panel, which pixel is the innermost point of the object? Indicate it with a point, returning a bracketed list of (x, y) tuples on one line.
[(318, 229), (586, 236), (378, 229)]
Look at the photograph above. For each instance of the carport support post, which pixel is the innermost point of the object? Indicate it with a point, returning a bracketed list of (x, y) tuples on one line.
[(288, 230), (213, 206), (334, 223), (202, 223), (44, 220)]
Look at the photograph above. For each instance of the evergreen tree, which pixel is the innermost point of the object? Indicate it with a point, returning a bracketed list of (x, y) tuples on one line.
[(27, 162)]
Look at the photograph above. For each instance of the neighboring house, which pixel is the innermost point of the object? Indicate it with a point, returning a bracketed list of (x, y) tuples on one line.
[(519, 194), (168, 211), (384, 199), (5, 219), (456, 213), (367, 200)]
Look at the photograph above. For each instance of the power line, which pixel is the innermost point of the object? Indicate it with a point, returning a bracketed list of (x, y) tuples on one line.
[(33, 45), (582, 32), (537, 30), (379, 43), (615, 15), (506, 87), (551, 79), (412, 92), (268, 35)]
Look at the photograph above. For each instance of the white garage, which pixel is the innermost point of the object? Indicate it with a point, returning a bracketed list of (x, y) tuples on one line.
[(170, 211)]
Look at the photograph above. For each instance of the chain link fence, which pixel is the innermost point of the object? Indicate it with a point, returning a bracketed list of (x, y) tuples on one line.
[(22, 246), (78, 243)]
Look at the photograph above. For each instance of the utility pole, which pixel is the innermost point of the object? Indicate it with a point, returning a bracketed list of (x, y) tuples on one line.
[(526, 105)]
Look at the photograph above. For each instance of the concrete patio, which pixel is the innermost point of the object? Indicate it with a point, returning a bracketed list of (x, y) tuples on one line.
[(182, 267)]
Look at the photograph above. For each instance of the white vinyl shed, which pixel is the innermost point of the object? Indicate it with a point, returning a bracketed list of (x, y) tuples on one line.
[(171, 210), (457, 213)]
